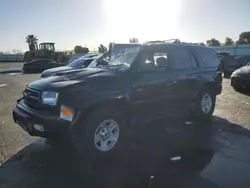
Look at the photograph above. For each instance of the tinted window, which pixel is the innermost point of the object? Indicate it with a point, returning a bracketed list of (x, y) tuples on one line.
[(38, 62), (182, 59), (152, 58), (89, 55), (79, 62), (193, 61), (155, 60), (87, 62), (209, 57), (45, 61)]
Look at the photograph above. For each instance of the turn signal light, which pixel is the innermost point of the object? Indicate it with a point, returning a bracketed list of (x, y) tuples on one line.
[(66, 113)]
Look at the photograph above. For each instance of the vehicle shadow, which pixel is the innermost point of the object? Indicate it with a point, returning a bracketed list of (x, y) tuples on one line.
[(44, 165)]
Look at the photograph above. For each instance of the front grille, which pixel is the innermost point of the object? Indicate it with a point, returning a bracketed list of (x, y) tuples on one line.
[(32, 98)]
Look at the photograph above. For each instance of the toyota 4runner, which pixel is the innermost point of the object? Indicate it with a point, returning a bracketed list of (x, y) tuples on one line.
[(98, 106)]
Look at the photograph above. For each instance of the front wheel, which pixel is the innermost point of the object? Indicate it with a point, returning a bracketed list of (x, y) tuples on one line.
[(204, 105), (102, 134)]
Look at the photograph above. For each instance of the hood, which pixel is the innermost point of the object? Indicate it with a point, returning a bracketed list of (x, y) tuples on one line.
[(50, 72), (54, 83), (243, 70)]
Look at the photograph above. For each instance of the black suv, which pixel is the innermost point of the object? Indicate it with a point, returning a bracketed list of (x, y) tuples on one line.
[(99, 106)]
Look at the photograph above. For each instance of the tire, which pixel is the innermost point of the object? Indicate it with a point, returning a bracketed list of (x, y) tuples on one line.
[(87, 129), (236, 87), (201, 113)]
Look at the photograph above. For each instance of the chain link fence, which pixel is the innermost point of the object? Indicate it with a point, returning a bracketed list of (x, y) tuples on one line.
[(11, 58)]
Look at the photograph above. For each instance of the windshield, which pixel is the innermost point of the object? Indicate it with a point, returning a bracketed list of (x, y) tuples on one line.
[(121, 48), (125, 57), (77, 63)]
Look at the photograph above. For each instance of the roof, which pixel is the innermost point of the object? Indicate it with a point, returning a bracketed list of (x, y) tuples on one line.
[(181, 45)]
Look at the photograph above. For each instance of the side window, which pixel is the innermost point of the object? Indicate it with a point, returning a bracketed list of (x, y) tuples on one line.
[(182, 59), (193, 61), (156, 59), (87, 62), (50, 62), (38, 62), (209, 57), (45, 62)]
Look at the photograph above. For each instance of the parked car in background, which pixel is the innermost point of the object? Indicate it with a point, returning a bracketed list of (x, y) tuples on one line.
[(235, 50), (100, 107), (229, 65), (243, 60), (221, 55), (39, 65), (74, 66), (240, 79), (76, 56)]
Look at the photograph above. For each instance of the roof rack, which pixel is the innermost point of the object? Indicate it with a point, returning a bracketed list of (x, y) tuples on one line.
[(177, 41), (163, 41)]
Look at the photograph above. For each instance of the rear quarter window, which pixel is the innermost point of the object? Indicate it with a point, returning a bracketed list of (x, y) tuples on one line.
[(209, 57), (182, 59)]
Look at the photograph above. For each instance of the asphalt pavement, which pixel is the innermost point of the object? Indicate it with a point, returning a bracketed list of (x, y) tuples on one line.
[(221, 157)]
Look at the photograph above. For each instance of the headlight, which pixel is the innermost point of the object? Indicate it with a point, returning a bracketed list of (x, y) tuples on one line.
[(234, 74), (49, 98)]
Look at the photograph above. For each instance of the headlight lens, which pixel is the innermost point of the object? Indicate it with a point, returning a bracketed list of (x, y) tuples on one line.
[(49, 98), (234, 74)]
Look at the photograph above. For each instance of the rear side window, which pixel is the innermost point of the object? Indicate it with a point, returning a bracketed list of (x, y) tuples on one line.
[(209, 57), (182, 59)]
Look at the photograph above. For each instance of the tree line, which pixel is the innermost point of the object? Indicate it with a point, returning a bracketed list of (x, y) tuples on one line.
[(32, 41), (244, 38)]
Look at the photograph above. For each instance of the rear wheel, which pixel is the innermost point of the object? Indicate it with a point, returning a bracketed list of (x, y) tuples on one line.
[(204, 105), (236, 87)]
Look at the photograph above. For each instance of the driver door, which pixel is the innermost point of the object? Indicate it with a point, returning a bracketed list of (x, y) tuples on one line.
[(151, 93)]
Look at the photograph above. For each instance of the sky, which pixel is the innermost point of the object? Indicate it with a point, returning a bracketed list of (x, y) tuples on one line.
[(93, 22)]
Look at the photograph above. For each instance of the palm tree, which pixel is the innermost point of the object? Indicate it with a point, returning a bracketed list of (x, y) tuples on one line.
[(32, 42), (102, 48), (134, 40)]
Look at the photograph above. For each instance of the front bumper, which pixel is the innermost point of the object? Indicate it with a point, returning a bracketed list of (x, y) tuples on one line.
[(51, 124), (240, 82)]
